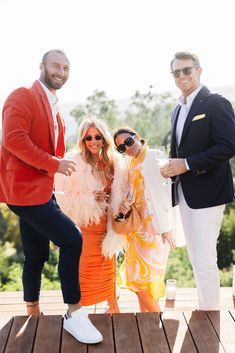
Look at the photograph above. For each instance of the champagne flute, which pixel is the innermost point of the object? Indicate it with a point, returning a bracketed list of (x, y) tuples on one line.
[(162, 159)]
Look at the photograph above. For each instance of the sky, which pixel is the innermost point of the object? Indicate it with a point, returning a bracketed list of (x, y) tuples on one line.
[(118, 46)]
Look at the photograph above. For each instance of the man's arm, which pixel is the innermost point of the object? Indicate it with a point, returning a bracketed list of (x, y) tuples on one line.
[(18, 118)]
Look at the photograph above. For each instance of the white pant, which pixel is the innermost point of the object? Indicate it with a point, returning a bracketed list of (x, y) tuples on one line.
[(202, 227)]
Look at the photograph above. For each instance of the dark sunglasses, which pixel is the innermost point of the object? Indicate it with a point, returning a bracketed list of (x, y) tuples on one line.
[(96, 137), (129, 141), (186, 71)]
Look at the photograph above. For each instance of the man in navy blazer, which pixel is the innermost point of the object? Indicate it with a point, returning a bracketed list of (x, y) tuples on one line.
[(203, 141)]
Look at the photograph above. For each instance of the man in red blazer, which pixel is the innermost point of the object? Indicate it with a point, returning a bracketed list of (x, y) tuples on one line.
[(31, 153)]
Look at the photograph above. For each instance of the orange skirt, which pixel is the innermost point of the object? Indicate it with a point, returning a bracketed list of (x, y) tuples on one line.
[(97, 274)]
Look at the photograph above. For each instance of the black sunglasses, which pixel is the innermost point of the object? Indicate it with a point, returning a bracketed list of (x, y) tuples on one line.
[(96, 137), (186, 71), (129, 141)]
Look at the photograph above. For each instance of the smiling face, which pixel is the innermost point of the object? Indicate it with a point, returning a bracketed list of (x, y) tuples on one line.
[(187, 83), (54, 71), (93, 141), (131, 150)]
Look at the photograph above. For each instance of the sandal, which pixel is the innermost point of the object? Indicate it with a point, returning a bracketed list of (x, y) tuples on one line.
[(112, 308)]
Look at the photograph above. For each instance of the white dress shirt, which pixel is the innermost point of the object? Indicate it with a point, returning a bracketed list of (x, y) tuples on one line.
[(53, 100), (185, 104)]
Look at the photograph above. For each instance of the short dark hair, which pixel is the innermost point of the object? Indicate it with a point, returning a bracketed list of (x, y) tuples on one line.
[(185, 55), (59, 51), (127, 130)]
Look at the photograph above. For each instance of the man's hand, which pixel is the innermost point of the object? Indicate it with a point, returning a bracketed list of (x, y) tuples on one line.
[(66, 166), (175, 167)]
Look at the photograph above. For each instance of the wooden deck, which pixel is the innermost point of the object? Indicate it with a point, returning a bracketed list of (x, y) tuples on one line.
[(179, 329), (173, 331)]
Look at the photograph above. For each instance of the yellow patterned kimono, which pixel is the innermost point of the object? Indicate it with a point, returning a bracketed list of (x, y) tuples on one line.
[(144, 265)]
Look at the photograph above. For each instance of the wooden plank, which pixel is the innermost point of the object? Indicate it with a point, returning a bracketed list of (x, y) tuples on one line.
[(5, 328), (224, 324), (203, 333), (103, 322), (48, 334), (4, 320), (71, 345), (126, 335), (151, 333), (22, 335), (178, 335)]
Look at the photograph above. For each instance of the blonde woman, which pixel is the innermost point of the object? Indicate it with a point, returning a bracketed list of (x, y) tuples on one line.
[(87, 197), (144, 264)]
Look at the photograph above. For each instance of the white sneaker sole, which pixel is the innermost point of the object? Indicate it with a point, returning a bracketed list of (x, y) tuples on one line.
[(87, 341)]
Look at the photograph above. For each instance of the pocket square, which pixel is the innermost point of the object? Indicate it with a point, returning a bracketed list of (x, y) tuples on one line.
[(198, 117)]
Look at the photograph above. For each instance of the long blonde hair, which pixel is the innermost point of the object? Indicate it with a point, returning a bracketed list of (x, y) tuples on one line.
[(106, 153)]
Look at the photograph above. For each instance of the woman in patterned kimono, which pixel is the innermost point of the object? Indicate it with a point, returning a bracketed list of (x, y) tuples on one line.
[(143, 268)]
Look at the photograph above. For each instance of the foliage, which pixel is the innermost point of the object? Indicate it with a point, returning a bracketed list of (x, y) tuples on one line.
[(13, 281), (3, 225), (100, 105), (149, 114), (9, 223), (179, 268), (4, 265), (226, 276), (226, 241)]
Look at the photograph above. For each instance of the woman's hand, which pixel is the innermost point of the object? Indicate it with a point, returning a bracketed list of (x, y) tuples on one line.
[(101, 196), (168, 236), (124, 208)]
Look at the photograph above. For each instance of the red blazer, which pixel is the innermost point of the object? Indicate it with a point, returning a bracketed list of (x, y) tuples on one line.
[(28, 157)]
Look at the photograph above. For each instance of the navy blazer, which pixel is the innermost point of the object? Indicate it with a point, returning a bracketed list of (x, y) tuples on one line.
[(207, 142)]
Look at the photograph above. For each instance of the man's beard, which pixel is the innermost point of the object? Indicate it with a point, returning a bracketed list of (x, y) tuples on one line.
[(50, 83)]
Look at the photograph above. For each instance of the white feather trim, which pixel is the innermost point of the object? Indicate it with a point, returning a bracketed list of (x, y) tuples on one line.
[(74, 195), (78, 201), (113, 244)]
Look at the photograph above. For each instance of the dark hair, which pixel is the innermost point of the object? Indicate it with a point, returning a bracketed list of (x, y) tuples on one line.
[(127, 130), (185, 55), (59, 51)]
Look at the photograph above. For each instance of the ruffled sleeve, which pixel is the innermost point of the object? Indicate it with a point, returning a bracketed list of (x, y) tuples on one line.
[(75, 194)]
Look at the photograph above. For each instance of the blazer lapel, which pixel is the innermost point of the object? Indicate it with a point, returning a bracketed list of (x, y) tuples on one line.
[(175, 116), (60, 148), (199, 99), (47, 107)]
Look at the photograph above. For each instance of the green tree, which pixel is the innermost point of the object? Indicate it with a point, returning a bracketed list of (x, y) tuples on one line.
[(100, 105), (4, 266), (3, 224), (226, 241), (10, 227), (150, 115), (179, 268)]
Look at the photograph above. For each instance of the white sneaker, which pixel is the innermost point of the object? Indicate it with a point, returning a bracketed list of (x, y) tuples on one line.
[(79, 325)]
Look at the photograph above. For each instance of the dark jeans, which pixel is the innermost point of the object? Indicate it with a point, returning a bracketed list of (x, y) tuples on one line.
[(38, 225)]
